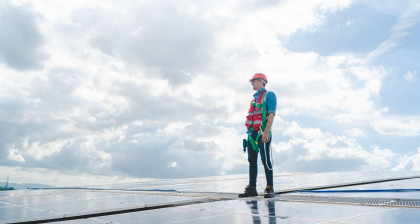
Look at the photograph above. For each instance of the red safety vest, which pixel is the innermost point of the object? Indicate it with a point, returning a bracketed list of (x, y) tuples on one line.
[(255, 113)]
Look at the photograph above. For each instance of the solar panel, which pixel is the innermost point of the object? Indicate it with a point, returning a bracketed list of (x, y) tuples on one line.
[(337, 197)]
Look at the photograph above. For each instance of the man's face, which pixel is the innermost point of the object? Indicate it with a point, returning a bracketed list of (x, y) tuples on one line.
[(257, 84)]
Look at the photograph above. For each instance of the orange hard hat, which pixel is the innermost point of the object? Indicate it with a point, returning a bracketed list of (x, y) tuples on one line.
[(259, 76)]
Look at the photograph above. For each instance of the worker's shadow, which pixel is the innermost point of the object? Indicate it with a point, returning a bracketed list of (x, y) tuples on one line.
[(256, 218)]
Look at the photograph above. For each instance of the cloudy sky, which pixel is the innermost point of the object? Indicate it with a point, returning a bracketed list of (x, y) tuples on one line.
[(97, 91)]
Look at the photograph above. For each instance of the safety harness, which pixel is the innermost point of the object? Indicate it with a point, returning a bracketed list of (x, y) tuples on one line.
[(254, 124)]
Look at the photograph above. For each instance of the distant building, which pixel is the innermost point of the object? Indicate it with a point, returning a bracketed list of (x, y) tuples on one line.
[(6, 186)]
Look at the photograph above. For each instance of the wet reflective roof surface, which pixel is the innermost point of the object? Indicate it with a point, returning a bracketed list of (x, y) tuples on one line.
[(337, 197)]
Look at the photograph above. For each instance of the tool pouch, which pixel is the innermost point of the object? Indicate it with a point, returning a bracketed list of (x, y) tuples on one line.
[(244, 144)]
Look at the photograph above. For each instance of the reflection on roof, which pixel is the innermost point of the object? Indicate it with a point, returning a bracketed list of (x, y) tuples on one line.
[(338, 197)]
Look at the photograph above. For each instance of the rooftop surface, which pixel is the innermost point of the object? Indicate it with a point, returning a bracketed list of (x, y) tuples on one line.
[(336, 197)]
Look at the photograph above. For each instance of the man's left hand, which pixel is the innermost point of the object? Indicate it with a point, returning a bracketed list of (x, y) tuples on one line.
[(265, 136)]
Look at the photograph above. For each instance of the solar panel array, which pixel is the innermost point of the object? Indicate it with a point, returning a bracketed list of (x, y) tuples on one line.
[(369, 197)]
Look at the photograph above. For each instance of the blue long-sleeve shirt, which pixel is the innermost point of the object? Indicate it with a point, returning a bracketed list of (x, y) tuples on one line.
[(271, 100)]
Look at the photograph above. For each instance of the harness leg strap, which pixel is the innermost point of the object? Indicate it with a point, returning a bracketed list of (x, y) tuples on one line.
[(254, 143)]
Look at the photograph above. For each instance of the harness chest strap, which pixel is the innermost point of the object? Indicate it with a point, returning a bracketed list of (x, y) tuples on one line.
[(256, 112)]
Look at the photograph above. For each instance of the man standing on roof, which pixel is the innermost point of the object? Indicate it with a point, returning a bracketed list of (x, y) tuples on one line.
[(258, 122)]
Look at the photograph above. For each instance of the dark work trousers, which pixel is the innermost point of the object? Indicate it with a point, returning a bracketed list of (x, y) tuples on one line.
[(253, 157)]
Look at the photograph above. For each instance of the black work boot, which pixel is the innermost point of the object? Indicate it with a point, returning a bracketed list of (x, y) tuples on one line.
[(250, 191), (269, 192)]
